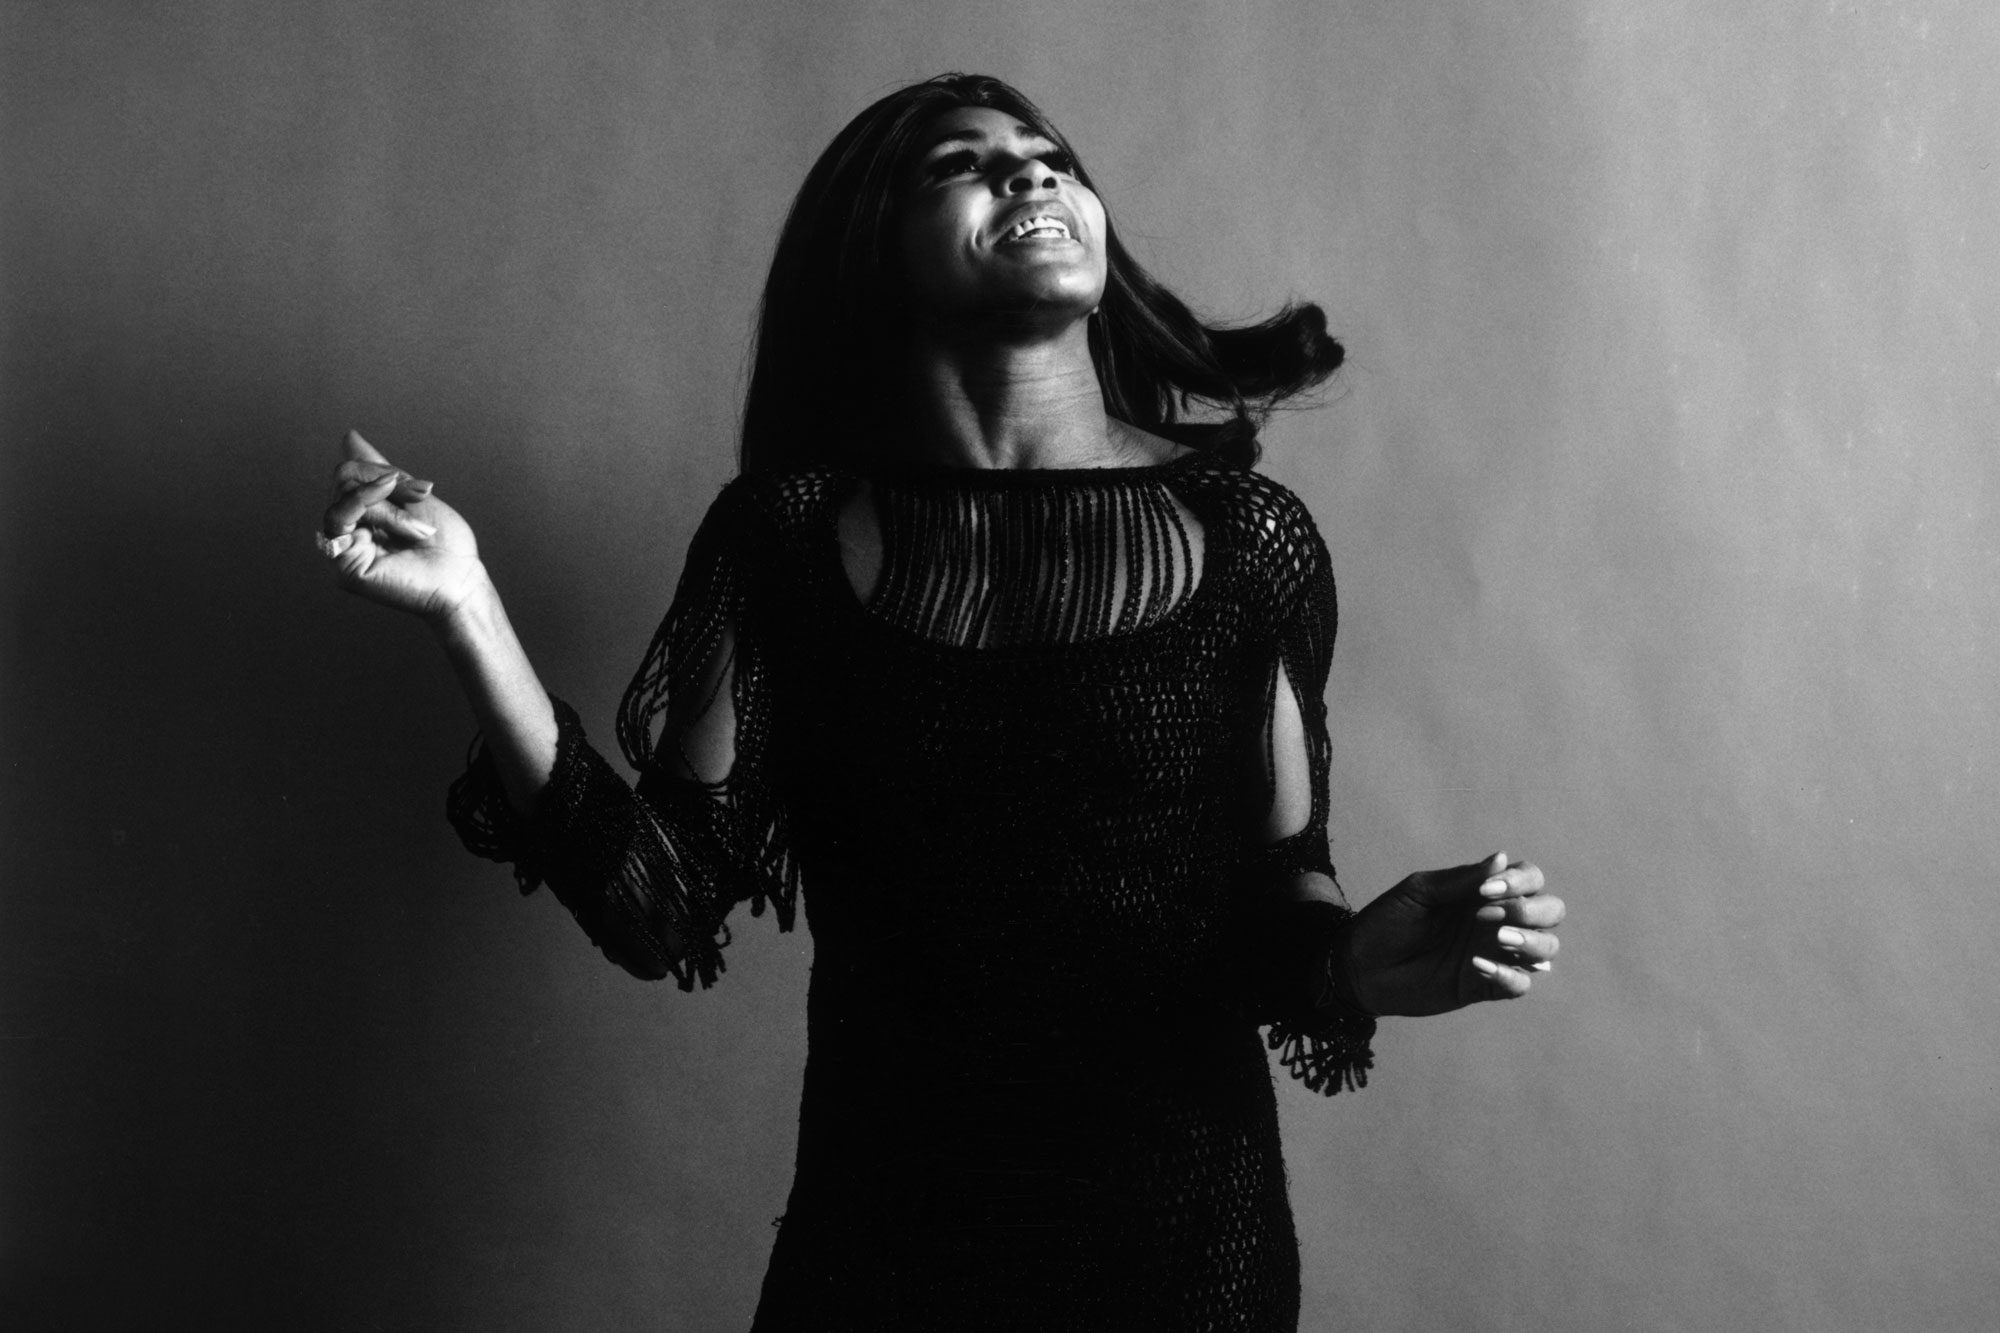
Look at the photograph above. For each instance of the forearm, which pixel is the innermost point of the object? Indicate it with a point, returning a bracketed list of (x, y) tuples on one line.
[(1319, 1026), (507, 697), (647, 884), (1319, 970)]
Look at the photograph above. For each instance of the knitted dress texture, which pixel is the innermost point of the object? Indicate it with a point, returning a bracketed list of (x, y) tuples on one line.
[(1013, 752)]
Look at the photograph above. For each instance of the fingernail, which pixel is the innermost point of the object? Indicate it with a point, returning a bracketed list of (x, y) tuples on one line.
[(1493, 888), (1542, 966), (418, 487), (1511, 937), (422, 529), (1485, 966)]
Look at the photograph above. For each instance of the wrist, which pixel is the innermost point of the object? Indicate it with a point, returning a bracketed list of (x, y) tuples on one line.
[(1345, 988), (470, 612)]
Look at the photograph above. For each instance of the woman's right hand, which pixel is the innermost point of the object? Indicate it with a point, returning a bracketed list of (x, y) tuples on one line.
[(393, 541)]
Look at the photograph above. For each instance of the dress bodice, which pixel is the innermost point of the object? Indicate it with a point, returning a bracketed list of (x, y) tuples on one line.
[(1016, 738)]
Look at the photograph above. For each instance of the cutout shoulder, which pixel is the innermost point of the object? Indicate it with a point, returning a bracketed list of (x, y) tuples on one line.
[(1276, 544)]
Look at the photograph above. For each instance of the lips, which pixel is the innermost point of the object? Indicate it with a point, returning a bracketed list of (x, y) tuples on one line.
[(1044, 220), (1043, 227)]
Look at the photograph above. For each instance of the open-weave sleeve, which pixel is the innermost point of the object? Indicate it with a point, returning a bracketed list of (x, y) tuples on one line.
[(651, 874), (1321, 1033)]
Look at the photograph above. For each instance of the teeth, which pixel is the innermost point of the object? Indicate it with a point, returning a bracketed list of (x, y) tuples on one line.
[(1028, 226)]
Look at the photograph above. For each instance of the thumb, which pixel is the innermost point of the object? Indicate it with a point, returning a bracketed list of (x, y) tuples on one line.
[(361, 450)]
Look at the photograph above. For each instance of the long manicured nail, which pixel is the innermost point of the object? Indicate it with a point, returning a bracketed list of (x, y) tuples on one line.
[(1493, 888), (1510, 937), (1542, 966), (421, 528), (1485, 966)]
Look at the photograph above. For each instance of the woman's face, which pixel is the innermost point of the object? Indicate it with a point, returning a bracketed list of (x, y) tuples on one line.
[(994, 223)]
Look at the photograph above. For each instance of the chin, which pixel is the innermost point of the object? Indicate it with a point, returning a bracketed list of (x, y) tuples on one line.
[(1047, 301), (1073, 300)]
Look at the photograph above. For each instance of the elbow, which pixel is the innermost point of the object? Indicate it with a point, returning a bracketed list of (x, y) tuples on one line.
[(646, 969), (654, 957)]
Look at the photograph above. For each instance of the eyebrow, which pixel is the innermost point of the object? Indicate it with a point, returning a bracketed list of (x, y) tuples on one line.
[(1021, 131)]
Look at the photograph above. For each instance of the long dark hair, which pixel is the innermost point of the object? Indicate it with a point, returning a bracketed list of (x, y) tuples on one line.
[(833, 315)]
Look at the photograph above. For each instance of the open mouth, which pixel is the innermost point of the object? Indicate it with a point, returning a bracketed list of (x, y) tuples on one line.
[(1039, 227)]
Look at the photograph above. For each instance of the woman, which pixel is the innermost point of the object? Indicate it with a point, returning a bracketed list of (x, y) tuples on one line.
[(1022, 678)]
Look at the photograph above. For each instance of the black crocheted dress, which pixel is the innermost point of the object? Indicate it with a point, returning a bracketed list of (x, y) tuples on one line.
[(1018, 755)]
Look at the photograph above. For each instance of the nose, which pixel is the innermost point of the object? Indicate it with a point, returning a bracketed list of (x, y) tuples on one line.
[(1029, 174)]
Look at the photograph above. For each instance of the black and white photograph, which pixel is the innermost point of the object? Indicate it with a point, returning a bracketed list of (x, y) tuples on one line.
[(1211, 667)]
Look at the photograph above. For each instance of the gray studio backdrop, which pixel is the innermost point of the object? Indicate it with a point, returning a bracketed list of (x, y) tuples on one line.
[(1661, 487)]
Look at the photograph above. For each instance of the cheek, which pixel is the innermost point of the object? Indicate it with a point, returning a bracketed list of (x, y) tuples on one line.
[(928, 247), (1095, 219)]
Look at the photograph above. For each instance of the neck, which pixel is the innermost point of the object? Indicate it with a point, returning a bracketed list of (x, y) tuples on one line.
[(1029, 401)]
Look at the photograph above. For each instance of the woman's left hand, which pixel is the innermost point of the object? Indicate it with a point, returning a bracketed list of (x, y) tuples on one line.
[(1443, 939)]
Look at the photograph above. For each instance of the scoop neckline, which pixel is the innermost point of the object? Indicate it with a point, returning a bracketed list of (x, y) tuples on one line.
[(1217, 564), (949, 473)]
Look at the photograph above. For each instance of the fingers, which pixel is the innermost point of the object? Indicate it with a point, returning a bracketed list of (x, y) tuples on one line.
[(1544, 911), (360, 450), (1509, 879), (354, 553), (1506, 971), (354, 474), (1500, 981), (408, 490), (1457, 887), (1505, 891), (370, 505), (1528, 948), (374, 515), (387, 519), (1483, 868), (1473, 886), (365, 464), (1524, 918), (350, 504)]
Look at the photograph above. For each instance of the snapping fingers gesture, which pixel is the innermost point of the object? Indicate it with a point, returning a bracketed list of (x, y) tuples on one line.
[(1444, 939), (392, 540)]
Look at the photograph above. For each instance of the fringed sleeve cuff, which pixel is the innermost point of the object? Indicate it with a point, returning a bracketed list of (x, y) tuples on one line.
[(650, 881), (478, 810), (1325, 1041)]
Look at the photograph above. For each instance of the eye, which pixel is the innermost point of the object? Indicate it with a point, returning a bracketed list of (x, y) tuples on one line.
[(951, 164), (1055, 159)]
